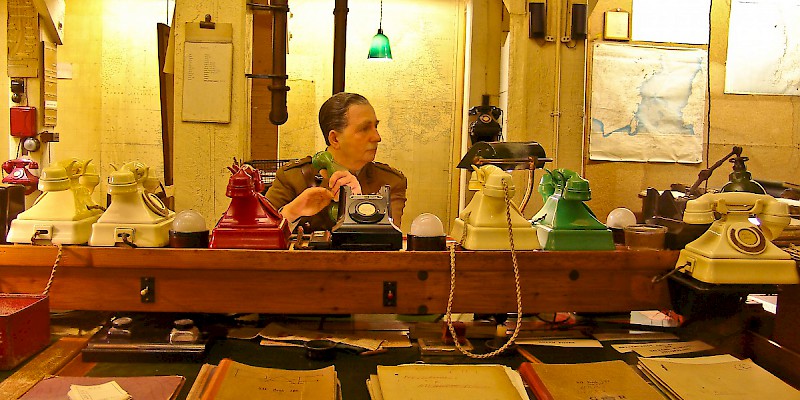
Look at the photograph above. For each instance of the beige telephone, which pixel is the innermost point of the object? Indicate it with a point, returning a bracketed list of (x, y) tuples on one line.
[(491, 221), (482, 225), (737, 248)]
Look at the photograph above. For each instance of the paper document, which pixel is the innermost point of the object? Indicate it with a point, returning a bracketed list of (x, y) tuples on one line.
[(363, 339), (763, 47), (662, 348), (237, 381), (463, 382), (723, 380), (601, 380), (560, 342), (674, 21), (105, 391)]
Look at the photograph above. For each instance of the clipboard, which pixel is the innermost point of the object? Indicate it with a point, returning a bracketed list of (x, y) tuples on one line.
[(207, 72)]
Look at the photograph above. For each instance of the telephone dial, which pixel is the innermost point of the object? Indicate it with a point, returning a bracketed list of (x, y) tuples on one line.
[(365, 222), (737, 248)]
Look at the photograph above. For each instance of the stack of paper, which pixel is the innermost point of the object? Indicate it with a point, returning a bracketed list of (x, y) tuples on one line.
[(231, 380), (431, 381), (106, 391), (587, 381), (85, 388), (715, 377)]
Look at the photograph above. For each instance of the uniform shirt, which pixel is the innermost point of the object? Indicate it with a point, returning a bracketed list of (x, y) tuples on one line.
[(296, 176)]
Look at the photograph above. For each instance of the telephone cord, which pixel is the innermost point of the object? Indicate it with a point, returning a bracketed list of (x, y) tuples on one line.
[(53, 271), (448, 315)]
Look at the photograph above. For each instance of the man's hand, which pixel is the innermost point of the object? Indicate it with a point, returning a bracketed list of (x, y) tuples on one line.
[(342, 178), (309, 202)]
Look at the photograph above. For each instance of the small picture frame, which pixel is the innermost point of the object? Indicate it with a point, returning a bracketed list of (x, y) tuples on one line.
[(617, 25)]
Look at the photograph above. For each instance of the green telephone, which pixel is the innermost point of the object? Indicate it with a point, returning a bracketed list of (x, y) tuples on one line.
[(737, 248), (565, 222)]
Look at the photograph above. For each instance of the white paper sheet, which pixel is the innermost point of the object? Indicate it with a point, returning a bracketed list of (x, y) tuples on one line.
[(764, 47), (674, 21)]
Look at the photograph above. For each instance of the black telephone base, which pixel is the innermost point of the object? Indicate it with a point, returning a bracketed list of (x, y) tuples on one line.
[(349, 238)]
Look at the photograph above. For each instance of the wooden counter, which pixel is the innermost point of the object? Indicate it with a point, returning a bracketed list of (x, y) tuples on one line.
[(203, 280)]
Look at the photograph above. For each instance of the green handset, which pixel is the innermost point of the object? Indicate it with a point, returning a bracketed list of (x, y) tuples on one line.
[(324, 160)]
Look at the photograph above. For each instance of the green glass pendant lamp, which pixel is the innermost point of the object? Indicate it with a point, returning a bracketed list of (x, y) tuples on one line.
[(380, 49)]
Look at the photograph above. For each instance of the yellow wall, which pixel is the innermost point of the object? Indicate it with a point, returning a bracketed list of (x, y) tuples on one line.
[(416, 96), (4, 83), (109, 110), (203, 151), (545, 94), (768, 127)]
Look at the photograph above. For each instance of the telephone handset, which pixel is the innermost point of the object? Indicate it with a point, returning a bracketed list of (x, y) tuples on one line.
[(324, 160), (737, 248)]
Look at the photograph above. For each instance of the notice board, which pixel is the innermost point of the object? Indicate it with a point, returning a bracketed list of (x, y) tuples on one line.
[(207, 68)]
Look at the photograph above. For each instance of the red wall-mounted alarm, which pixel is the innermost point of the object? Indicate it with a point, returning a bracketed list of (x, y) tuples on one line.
[(23, 121)]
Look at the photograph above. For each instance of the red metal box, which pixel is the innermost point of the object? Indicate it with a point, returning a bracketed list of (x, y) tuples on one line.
[(24, 327), (23, 121)]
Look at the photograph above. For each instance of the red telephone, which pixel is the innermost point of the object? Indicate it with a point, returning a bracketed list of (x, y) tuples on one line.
[(250, 221), (19, 173)]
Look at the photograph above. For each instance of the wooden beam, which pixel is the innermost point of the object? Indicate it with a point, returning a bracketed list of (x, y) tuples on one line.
[(204, 280)]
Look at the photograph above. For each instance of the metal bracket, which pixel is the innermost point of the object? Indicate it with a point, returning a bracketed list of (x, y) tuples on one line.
[(267, 7), (266, 76), (389, 293), (148, 289)]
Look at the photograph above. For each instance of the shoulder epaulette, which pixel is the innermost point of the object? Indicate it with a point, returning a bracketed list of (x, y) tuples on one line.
[(297, 163), (388, 168)]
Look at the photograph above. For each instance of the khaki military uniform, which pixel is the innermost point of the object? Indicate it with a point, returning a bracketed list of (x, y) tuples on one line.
[(296, 176)]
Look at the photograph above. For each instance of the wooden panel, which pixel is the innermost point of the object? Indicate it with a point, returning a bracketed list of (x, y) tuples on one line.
[(787, 320), (774, 357), (205, 280), (48, 362)]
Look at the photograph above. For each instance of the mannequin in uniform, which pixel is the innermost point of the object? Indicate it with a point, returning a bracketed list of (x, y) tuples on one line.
[(350, 128)]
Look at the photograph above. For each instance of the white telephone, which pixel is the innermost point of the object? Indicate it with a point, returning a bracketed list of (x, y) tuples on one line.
[(737, 248)]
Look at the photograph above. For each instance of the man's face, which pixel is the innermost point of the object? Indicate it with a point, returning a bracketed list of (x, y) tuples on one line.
[(357, 143)]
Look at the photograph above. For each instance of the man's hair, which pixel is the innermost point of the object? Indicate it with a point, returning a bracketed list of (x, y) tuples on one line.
[(333, 113)]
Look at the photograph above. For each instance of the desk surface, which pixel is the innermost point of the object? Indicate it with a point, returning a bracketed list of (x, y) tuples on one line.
[(353, 370), (205, 280)]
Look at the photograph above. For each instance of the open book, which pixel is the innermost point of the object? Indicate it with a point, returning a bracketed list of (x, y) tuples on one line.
[(431, 381), (231, 380)]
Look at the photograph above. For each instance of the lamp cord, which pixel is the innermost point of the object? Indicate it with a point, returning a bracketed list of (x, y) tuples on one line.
[(380, 20)]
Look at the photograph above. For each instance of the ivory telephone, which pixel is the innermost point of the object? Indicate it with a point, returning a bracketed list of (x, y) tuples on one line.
[(483, 224), (737, 248)]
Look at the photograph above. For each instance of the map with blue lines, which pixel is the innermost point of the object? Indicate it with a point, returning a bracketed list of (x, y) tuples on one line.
[(647, 103)]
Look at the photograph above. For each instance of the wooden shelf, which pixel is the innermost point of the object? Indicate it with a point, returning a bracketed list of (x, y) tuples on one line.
[(204, 280)]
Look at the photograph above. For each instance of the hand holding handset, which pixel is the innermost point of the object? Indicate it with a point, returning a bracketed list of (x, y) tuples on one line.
[(337, 175)]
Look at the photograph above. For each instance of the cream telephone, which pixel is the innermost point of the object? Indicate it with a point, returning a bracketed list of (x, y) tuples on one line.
[(737, 248), (483, 224)]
